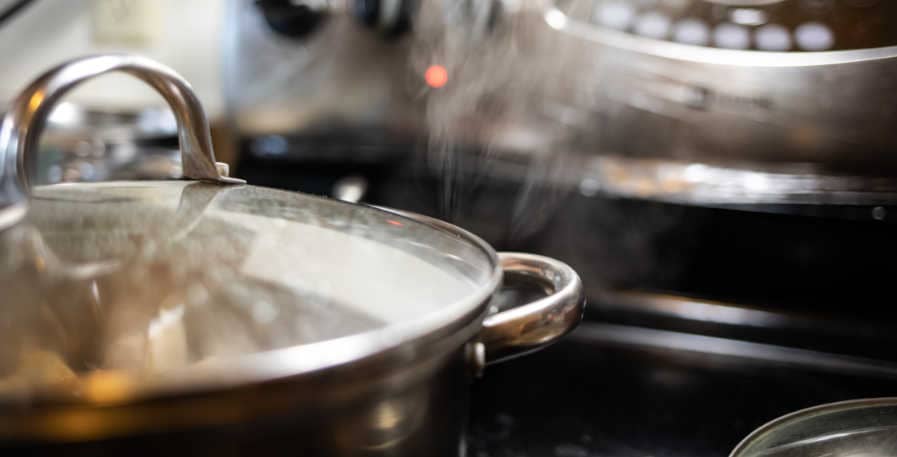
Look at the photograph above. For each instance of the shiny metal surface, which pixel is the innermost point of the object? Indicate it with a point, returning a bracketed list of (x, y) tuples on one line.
[(81, 144), (189, 310), (520, 330), (28, 113), (125, 224), (808, 122), (770, 127), (411, 405), (681, 181), (350, 189), (285, 94), (406, 397), (202, 284), (531, 326), (649, 338), (68, 119), (312, 85), (793, 26), (866, 427), (693, 309)]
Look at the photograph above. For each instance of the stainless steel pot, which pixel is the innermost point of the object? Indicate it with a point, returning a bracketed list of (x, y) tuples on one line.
[(691, 101), (774, 101), (206, 315)]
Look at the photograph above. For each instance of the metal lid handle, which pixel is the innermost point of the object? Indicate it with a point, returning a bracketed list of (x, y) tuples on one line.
[(27, 115)]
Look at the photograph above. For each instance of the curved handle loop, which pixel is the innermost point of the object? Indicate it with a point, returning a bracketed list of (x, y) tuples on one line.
[(27, 115), (523, 329)]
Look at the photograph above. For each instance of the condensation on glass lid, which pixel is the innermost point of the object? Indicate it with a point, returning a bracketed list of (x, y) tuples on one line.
[(153, 318), (124, 278)]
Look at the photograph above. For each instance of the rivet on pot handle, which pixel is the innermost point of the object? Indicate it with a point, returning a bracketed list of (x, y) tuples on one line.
[(27, 114), (522, 329)]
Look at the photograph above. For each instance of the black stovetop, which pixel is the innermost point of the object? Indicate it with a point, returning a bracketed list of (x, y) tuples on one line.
[(803, 259), (619, 392), (633, 384)]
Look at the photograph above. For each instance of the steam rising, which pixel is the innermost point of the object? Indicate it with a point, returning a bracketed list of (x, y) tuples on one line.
[(506, 70)]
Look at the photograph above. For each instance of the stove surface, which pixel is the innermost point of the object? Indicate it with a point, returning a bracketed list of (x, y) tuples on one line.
[(619, 392)]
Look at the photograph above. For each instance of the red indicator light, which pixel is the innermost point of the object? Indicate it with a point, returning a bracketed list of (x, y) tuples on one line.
[(436, 76), (394, 222)]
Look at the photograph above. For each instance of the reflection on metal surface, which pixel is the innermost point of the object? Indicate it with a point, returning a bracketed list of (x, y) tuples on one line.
[(686, 182), (612, 15), (759, 105), (392, 421), (350, 189), (694, 309), (534, 325), (853, 428), (520, 330), (556, 19), (665, 340), (29, 111), (475, 353), (759, 321)]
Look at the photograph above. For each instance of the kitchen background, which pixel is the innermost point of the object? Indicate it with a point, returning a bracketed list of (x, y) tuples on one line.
[(728, 205), (186, 35)]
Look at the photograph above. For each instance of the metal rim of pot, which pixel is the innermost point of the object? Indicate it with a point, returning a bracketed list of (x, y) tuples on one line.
[(489, 337), (784, 423), (557, 19), (678, 91)]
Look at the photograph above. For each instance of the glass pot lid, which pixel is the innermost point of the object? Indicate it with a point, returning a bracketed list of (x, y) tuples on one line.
[(153, 276), (149, 278)]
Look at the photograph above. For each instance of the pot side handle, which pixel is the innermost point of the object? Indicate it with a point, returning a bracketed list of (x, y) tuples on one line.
[(523, 329), (28, 113)]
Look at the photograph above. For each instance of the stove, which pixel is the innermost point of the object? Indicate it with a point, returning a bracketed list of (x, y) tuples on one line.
[(735, 239), (620, 391), (703, 323)]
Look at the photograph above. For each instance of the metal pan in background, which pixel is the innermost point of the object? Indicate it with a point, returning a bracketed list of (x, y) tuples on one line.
[(855, 428)]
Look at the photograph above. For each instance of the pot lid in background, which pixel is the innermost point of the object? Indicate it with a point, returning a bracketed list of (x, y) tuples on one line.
[(152, 278)]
